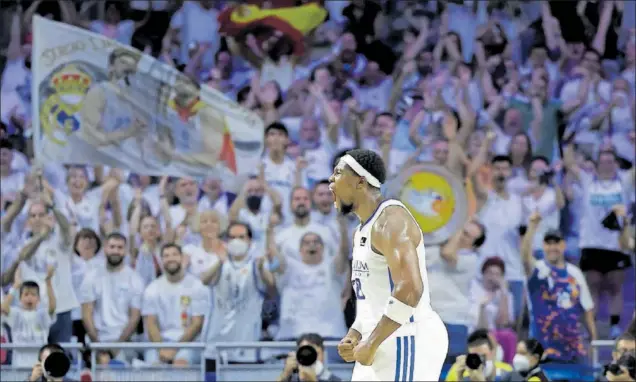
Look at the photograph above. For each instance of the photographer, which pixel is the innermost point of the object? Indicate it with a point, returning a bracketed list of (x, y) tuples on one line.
[(545, 196), (479, 364), (623, 366), (307, 362), (527, 363), (52, 365)]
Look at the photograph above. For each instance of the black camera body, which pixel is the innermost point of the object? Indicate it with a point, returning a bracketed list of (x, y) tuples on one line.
[(628, 361), (474, 361), (546, 177), (56, 365)]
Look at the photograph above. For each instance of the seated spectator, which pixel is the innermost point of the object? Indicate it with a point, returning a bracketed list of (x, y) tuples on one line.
[(559, 296), (174, 307), (491, 305), (30, 321), (317, 371), (482, 348)]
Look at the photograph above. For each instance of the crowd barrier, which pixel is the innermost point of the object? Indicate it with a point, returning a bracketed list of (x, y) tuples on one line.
[(268, 352)]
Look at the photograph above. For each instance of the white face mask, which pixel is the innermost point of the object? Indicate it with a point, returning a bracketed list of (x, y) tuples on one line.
[(489, 368), (521, 363), (237, 247)]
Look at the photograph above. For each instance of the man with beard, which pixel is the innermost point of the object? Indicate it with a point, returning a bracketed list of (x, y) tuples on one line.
[(501, 212), (110, 121), (286, 239), (111, 297), (174, 308), (559, 296)]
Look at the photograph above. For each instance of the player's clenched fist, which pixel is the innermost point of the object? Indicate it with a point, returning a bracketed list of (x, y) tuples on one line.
[(364, 353), (345, 348)]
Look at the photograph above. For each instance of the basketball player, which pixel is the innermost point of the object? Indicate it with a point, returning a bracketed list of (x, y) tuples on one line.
[(396, 334), (110, 122)]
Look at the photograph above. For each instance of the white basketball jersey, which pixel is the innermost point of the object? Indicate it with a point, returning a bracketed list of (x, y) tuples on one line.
[(372, 282)]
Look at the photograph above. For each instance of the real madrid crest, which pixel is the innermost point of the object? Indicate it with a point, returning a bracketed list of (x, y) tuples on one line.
[(435, 197), (185, 301)]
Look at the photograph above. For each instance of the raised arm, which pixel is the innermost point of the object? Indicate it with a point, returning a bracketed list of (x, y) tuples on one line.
[(396, 236), (526, 243)]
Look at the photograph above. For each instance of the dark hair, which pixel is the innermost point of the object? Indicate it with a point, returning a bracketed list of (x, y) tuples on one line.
[(6, 144), (320, 182), (121, 52), (235, 224), (277, 126), (116, 236), (384, 114), (541, 158), (596, 52), (534, 347), (86, 233), (527, 159), (51, 347), (312, 338), (370, 161), (481, 239), (327, 67), (242, 94), (170, 245), (29, 285), (501, 158), (495, 261), (480, 337)]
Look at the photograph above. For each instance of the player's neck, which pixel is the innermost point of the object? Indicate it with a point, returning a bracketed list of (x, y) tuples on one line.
[(367, 205), (277, 156)]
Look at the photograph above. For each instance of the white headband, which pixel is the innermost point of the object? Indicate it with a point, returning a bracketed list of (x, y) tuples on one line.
[(355, 166)]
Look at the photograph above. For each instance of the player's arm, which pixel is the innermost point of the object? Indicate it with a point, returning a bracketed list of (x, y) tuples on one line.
[(527, 256), (396, 236)]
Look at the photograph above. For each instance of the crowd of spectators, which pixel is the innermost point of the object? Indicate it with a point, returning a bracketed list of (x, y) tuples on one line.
[(531, 104)]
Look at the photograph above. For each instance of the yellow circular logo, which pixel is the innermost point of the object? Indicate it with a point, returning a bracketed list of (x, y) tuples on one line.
[(430, 199)]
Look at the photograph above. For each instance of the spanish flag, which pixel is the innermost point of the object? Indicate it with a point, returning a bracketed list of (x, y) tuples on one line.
[(227, 154), (294, 22)]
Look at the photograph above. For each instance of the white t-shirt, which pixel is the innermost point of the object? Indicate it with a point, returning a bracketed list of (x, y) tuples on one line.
[(238, 300), (114, 294), (53, 250), (450, 285), (197, 25), (200, 259), (175, 304), (310, 300), (597, 201), (282, 178), (28, 327), (502, 219), (258, 222), (288, 239), (86, 211), (477, 295), (148, 264), (550, 215)]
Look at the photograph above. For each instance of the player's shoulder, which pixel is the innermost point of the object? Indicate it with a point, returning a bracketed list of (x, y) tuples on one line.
[(393, 214)]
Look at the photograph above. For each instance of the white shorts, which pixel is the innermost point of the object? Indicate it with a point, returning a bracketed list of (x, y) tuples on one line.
[(417, 357), (192, 356)]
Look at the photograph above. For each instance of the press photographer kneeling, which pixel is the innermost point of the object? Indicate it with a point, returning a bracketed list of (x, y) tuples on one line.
[(307, 362), (52, 365), (623, 366)]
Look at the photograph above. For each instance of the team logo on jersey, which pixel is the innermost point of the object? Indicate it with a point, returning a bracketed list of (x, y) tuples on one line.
[(185, 301), (435, 197), (66, 88), (363, 241)]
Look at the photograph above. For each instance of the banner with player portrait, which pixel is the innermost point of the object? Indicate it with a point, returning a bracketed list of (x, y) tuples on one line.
[(98, 102), (435, 197)]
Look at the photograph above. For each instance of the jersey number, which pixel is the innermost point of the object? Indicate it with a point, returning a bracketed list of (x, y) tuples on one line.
[(357, 288)]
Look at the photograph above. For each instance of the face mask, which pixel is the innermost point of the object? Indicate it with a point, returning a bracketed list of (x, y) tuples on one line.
[(237, 247), (254, 202), (489, 368), (521, 363)]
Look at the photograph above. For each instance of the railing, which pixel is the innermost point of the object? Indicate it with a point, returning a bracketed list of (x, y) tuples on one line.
[(266, 352)]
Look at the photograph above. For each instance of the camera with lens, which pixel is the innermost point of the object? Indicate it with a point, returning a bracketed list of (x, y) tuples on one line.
[(546, 177), (474, 361), (306, 355), (628, 361), (56, 365)]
